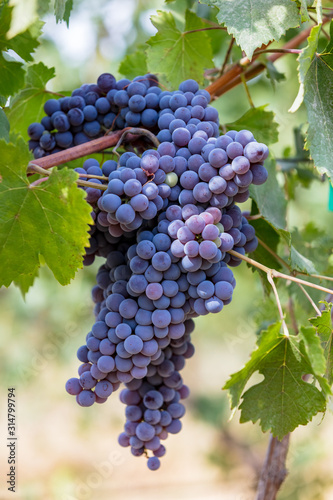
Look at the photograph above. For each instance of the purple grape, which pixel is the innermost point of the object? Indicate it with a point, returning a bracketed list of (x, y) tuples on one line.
[(153, 463), (256, 152)]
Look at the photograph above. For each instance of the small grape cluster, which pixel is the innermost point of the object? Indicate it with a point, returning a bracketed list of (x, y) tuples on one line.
[(95, 109), (164, 222)]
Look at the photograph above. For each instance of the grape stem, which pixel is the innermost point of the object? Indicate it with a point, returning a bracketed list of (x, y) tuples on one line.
[(276, 274), (54, 93), (38, 182), (205, 29), (324, 32), (135, 131), (226, 59), (89, 176), (292, 315), (319, 276), (247, 91), (36, 169), (279, 51), (278, 302), (253, 217), (279, 259)]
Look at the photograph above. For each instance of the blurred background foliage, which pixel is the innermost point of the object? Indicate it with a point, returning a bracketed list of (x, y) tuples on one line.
[(67, 452)]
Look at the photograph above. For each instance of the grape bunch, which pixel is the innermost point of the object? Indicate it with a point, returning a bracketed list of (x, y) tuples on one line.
[(95, 109), (164, 223)]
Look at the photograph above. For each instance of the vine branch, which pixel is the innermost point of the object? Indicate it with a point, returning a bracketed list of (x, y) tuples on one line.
[(78, 151), (41, 165), (277, 274), (232, 78), (274, 469), (93, 146)]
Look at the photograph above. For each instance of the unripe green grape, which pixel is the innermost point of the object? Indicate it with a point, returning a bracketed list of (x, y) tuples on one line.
[(220, 227), (171, 179)]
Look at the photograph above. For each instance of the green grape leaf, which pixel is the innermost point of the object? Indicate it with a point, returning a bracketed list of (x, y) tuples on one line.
[(273, 74), (134, 64), (254, 23), (282, 400), (220, 42), (42, 7), (46, 222), (299, 262), (271, 203), (27, 106), (318, 91), (26, 281), (260, 122), (296, 260), (5, 21), (270, 198), (304, 4), (237, 382), (62, 10), (304, 63), (68, 10), (324, 327), (12, 72), (178, 55), (313, 348), (315, 244), (26, 42), (316, 355), (12, 76), (268, 240), (271, 238), (4, 126)]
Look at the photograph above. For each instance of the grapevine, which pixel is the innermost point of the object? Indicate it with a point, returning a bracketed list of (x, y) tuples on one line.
[(155, 179)]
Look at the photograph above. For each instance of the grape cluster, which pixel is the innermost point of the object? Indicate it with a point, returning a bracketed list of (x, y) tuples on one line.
[(164, 222), (95, 109)]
